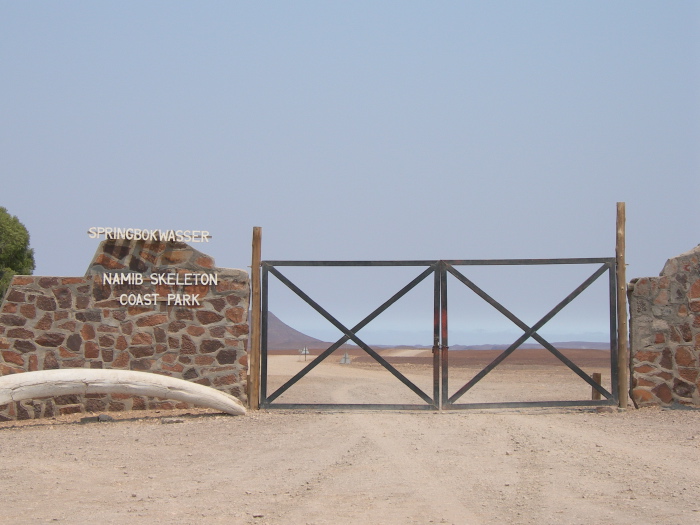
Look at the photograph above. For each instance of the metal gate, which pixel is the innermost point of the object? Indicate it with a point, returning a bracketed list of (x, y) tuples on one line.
[(439, 398)]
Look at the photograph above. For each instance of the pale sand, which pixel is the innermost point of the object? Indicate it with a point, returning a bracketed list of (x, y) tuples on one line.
[(530, 466)]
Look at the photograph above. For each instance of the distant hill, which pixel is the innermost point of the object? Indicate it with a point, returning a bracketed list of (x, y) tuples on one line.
[(281, 336)]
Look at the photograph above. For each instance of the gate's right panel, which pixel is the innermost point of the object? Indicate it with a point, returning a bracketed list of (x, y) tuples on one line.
[(527, 333)]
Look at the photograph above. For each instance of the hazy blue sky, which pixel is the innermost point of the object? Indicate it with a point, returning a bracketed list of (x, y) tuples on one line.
[(355, 130)]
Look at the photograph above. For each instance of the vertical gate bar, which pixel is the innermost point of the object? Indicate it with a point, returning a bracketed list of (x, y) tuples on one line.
[(443, 334), (436, 337), (622, 336), (614, 372), (263, 336)]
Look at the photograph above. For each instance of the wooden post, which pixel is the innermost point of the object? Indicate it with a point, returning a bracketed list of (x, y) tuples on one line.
[(254, 356), (623, 370), (597, 377)]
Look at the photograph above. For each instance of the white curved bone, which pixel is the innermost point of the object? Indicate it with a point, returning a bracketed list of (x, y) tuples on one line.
[(66, 381)]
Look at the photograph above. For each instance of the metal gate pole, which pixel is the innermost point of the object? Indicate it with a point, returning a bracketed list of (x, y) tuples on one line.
[(443, 333)]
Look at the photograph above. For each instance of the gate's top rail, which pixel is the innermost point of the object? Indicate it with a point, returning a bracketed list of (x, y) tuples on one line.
[(456, 262)]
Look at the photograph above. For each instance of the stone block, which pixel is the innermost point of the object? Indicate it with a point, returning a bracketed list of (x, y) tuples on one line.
[(89, 316), (107, 329), (195, 331), (683, 388), (188, 346), (121, 360), (141, 364), (206, 317), (15, 358), (218, 304), (106, 341), (24, 346), (176, 368), (20, 333), (121, 343), (64, 297), (48, 282), (142, 338), (28, 311), (666, 359), (15, 296), (92, 351), (217, 331), (63, 352), (663, 392), (12, 320), (226, 356), (184, 314), (176, 326), (236, 315), (689, 374), (66, 410), (224, 380), (684, 356), (50, 339), (190, 373), (152, 320), (204, 360), (47, 304), (141, 351), (160, 334), (650, 356), (73, 363), (50, 361), (210, 345), (74, 342)]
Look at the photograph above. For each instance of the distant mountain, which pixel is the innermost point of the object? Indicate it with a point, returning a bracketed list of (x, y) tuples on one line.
[(281, 336)]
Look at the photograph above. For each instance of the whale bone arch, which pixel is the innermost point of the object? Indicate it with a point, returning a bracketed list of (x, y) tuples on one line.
[(81, 381)]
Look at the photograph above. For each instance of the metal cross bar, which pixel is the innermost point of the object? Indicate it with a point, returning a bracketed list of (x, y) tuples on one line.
[(527, 262), (528, 332), (349, 263), (350, 334)]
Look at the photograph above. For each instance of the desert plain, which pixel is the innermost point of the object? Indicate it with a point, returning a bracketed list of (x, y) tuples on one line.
[(304, 466)]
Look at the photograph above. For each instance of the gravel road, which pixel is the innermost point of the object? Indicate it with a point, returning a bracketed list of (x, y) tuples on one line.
[(533, 466)]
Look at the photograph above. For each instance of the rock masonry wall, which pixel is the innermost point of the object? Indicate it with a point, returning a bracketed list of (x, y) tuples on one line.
[(665, 334), (73, 322)]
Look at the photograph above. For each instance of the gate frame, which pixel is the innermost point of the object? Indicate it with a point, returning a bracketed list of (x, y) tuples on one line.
[(349, 334), (441, 399), (608, 265)]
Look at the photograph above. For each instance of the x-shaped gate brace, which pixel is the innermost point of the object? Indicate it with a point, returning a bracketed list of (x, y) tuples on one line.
[(440, 333), (349, 334), (449, 401)]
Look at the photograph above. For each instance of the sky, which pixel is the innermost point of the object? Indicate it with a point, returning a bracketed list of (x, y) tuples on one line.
[(359, 131)]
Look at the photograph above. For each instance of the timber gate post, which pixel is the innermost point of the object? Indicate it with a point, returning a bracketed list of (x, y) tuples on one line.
[(254, 355), (622, 336)]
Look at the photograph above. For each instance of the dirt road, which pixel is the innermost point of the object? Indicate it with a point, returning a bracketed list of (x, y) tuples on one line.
[(309, 467)]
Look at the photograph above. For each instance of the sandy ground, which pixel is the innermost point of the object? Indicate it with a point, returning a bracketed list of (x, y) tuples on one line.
[(310, 467)]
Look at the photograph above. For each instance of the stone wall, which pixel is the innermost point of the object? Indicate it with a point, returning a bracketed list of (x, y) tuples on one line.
[(74, 322), (665, 334)]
